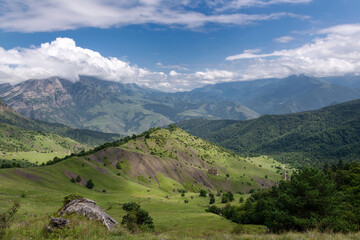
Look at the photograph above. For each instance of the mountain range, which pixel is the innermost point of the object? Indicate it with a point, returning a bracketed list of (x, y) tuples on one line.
[(128, 108), (307, 138)]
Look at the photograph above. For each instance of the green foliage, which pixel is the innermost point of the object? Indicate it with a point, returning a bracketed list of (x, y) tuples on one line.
[(78, 178), (302, 139), (6, 217), (136, 218), (118, 165), (241, 200), (214, 209), (71, 197), (89, 184), (212, 198), (202, 193), (227, 197), (312, 199)]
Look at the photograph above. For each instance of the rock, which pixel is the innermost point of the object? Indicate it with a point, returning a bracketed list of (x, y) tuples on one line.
[(59, 222), (89, 209)]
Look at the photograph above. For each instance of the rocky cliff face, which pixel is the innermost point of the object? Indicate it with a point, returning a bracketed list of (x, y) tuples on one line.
[(112, 107), (41, 99)]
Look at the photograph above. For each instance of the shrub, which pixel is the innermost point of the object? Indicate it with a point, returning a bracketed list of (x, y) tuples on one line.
[(212, 198), (241, 200), (89, 184), (118, 165), (6, 217), (202, 193), (72, 180), (186, 201), (71, 197), (136, 218), (214, 209), (227, 197), (78, 178)]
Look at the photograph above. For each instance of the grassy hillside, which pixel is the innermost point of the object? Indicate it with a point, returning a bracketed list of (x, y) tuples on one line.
[(83, 136), (34, 147), (307, 138), (151, 170), (24, 141)]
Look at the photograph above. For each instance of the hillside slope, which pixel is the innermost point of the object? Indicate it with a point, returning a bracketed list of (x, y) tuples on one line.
[(83, 136), (153, 169), (307, 138), (25, 141)]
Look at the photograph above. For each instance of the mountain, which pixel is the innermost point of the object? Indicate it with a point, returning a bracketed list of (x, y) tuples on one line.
[(307, 138), (83, 136), (159, 169), (279, 96), (112, 107), (31, 140), (350, 81)]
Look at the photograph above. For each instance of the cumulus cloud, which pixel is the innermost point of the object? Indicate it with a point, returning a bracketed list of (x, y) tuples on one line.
[(64, 59), (54, 15), (335, 53), (284, 39)]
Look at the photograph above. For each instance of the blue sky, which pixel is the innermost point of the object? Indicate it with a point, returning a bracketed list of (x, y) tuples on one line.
[(178, 45)]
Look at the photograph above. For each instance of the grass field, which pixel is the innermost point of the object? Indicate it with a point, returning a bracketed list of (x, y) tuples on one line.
[(40, 190)]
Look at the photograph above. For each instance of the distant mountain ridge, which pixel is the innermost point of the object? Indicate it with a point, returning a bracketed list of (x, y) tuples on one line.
[(279, 96), (128, 108), (83, 136), (112, 107), (307, 138)]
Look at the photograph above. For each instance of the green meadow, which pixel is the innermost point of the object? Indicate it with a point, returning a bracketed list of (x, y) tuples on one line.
[(121, 174)]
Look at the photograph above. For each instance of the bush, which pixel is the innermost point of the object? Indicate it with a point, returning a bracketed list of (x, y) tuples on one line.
[(212, 198), (214, 209), (118, 165), (72, 180), (6, 217), (186, 201), (227, 197), (202, 193), (89, 184), (71, 197), (136, 218), (78, 178)]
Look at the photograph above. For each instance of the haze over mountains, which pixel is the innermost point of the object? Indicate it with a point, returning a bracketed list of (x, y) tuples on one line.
[(128, 108)]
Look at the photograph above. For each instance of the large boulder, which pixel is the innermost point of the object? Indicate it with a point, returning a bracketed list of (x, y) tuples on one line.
[(89, 209)]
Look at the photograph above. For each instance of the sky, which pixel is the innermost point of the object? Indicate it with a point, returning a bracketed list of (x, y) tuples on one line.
[(178, 45)]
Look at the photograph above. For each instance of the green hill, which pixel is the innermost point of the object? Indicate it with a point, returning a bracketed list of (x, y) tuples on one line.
[(307, 138), (25, 141), (153, 170)]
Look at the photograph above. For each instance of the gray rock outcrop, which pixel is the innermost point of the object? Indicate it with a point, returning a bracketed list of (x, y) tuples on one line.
[(89, 209)]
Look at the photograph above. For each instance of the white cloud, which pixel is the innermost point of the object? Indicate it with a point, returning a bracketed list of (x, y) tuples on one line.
[(237, 4), (173, 73), (64, 59), (53, 15), (284, 39), (336, 53)]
